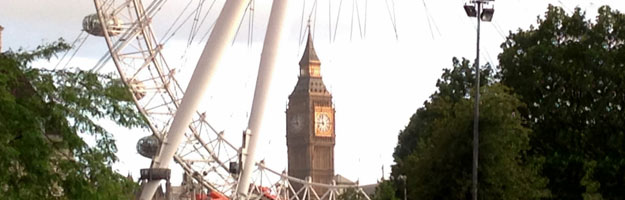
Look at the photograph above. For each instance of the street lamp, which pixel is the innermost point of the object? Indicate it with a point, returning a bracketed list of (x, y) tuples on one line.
[(482, 14), (403, 177)]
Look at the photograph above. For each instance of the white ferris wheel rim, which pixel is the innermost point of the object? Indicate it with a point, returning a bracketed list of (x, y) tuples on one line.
[(143, 68)]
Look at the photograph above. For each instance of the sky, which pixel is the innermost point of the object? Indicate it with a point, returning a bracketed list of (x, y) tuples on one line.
[(378, 80)]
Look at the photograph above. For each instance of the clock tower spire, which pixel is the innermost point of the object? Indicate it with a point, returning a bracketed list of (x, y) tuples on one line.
[(310, 123), (309, 64)]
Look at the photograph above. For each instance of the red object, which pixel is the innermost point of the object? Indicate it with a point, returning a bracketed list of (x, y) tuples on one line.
[(267, 193), (216, 196), (201, 196)]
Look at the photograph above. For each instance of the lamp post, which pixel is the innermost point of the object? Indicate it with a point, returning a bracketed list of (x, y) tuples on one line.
[(482, 14), (403, 177)]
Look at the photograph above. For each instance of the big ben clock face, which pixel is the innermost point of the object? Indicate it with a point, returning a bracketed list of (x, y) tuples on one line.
[(324, 121)]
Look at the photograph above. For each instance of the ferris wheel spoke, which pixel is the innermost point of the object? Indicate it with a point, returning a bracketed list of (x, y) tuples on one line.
[(223, 140), (189, 170), (153, 8), (118, 8), (165, 104), (210, 170), (159, 108), (160, 113), (227, 153), (208, 150), (152, 97), (185, 150), (198, 152), (134, 31), (133, 53), (153, 89), (214, 144)]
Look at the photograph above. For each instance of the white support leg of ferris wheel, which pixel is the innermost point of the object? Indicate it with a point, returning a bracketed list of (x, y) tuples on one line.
[(219, 40), (263, 81)]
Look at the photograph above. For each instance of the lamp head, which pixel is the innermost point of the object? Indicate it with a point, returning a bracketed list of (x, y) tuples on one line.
[(487, 14), (470, 10)]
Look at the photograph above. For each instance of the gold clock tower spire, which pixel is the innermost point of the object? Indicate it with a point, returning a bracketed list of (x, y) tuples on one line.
[(310, 123), (309, 64)]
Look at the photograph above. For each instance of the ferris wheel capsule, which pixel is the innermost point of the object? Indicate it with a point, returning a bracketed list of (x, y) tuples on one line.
[(91, 24), (148, 146)]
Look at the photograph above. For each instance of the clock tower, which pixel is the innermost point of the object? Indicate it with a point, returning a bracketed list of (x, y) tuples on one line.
[(310, 123)]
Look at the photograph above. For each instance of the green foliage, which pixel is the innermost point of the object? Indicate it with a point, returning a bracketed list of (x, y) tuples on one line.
[(385, 191), (454, 86), (456, 83), (43, 113), (570, 71), (351, 194), (438, 165)]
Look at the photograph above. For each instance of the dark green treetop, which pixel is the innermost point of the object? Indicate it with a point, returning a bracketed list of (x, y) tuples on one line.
[(570, 72), (454, 85), (435, 150)]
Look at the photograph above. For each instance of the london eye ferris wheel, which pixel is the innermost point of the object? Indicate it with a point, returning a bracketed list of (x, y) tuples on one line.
[(180, 130)]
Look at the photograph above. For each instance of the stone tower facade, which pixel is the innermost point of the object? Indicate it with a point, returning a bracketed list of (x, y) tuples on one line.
[(310, 123)]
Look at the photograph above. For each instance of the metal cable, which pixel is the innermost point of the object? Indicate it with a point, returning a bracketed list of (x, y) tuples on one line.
[(72, 45), (176, 20), (330, 20), (76, 51), (391, 16), (194, 24), (207, 32), (365, 26), (301, 24), (314, 20), (337, 20), (351, 25), (394, 19), (105, 57), (310, 16), (431, 20), (358, 18), (241, 22), (428, 19), (498, 29), (179, 26), (250, 32), (204, 18)]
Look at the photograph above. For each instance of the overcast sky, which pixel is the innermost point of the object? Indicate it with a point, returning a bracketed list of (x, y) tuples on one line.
[(378, 81)]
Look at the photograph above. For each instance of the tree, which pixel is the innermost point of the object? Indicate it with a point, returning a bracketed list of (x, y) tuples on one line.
[(570, 72), (42, 115), (385, 191), (454, 85), (351, 194), (438, 166)]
